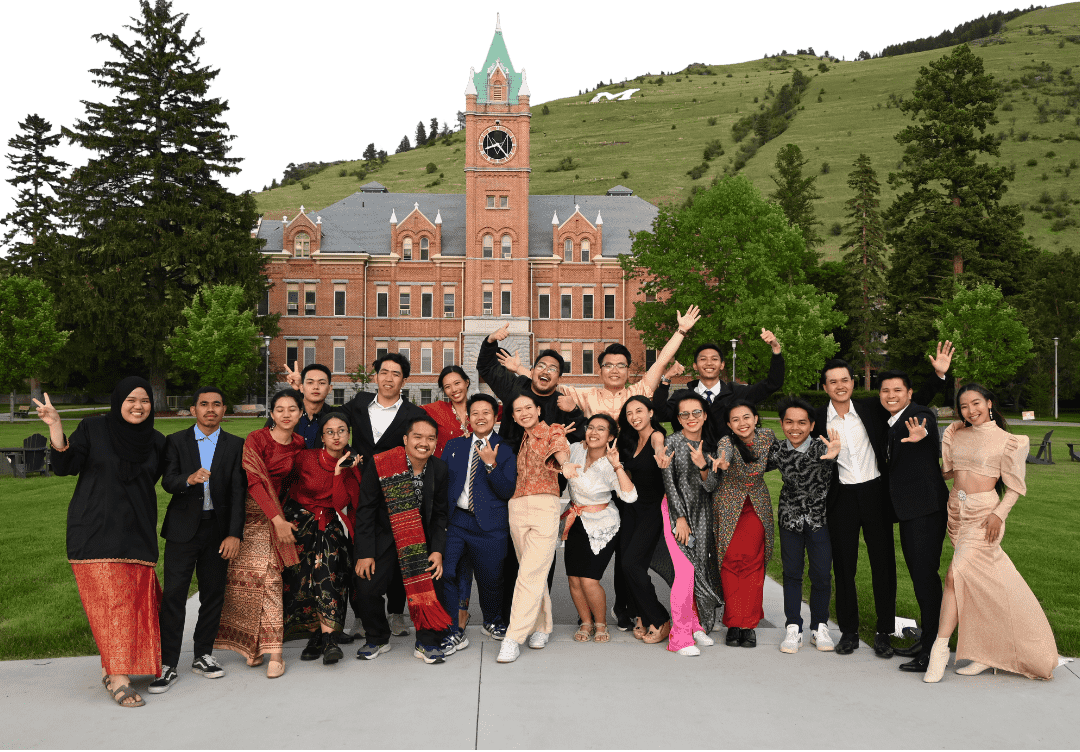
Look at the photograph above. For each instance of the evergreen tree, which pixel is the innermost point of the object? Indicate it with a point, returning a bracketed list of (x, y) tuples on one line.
[(421, 134), (369, 153), (154, 223), (38, 178), (403, 146), (796, 196), (948, 222), (864, 257), (433, 129)]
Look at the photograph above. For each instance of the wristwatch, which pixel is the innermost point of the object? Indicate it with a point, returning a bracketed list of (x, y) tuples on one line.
[(489, 467), (665, 380)]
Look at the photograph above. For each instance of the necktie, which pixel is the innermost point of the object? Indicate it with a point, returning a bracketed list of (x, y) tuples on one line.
[(473, 465), (708, 397)]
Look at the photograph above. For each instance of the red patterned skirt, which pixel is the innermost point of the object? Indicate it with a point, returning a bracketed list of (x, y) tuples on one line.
[(121, 600)]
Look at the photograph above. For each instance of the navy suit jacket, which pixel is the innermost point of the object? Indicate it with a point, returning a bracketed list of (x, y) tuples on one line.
[(490, 491)]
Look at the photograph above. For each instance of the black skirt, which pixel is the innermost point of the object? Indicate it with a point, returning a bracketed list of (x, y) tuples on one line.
[(317, 589), (578, 555)]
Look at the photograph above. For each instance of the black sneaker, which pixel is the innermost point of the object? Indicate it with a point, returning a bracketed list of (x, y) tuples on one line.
[(749, 638), (206, 665), (162, 683), (331, 652), (313, 649), (733, 638), (494, 630), (623, 620)]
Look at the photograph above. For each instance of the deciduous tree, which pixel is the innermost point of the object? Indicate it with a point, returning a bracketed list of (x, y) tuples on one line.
[(993, 343), (29, 336)]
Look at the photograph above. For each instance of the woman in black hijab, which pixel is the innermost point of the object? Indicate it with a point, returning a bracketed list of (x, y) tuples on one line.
[(112, 529)]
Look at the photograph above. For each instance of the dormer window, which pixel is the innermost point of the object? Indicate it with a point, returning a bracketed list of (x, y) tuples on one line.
[(302, 245), (496, 93), (424, 247), (406, 249)]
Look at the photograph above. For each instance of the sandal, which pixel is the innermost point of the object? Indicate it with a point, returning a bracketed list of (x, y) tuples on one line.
[(601, 634), (122, 693), (585, 632), (639, 629)]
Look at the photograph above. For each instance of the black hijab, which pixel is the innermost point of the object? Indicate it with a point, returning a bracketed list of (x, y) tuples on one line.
[(132, 442)]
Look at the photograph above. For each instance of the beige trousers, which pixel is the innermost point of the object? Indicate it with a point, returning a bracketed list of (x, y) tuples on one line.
[(534, 528)]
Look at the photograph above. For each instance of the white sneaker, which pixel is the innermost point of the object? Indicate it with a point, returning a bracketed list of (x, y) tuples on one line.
[(821, 639), (793, 640), (538, 640), (508, 651), (702, 639), (399, 627), (690, 649)]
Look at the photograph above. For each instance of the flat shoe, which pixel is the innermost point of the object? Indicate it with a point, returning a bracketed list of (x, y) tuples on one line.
[(274, 669), (655, 635), (639, 629)]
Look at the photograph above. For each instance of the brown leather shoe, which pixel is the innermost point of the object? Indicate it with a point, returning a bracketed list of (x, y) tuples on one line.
[(655, 635)]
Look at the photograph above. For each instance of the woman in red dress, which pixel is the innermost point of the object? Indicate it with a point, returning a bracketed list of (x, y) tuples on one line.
[(452, 416)]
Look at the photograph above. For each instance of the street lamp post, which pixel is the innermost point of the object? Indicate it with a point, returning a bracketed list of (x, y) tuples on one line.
[(266, 395), (734, 343), (1055, 378)]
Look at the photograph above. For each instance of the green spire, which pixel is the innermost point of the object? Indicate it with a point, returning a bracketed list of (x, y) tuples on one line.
[(497, 55)]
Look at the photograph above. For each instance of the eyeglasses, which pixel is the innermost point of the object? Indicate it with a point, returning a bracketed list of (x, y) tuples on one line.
[(613, 366), (693, 414), (549, 369), (332, 432)]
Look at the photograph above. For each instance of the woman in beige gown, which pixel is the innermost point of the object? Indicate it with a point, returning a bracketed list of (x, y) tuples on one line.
[(1002, 625)]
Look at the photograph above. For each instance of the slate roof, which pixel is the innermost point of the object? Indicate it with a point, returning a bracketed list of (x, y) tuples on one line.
[(373, 187), (620, 190)]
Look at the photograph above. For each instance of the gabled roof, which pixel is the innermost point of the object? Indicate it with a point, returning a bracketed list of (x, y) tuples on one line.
[(497, 55), (374, 187), (620, 190)]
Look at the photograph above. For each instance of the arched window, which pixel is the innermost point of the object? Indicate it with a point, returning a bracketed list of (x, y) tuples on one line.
[(423, 249), (568, 250), (585, 251), (506, 246), (302, 245), (406, 249), (489, 247)]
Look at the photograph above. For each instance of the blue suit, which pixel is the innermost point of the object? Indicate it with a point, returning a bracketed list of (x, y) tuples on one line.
[(479, 538)]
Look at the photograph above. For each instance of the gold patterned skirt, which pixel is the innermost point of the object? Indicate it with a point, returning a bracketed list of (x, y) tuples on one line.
[(252, 619), (1002, 623)]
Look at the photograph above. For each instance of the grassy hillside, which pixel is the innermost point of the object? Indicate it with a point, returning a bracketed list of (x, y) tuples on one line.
[(660, 134)]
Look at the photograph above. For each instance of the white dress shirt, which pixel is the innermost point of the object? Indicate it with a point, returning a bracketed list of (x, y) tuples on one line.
[(895, 417), (381, 417), (463, 500), (703, 390), (857, 462)]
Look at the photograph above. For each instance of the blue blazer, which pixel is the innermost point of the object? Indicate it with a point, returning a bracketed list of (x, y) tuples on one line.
[(490, 491)]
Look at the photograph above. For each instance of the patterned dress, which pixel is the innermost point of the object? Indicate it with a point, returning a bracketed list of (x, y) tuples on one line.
[(687, 497), (739, 481)]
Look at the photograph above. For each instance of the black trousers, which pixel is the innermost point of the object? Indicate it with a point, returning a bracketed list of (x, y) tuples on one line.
[(198, 556), (624, 599), (639, 532), (395, 593), (921, 540), (369, 601), (866, 506)]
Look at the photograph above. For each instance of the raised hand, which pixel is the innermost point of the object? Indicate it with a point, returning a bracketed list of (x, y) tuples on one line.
[(510, 362), (770, 339), (488, 453), (292, 375), (687, 320), (337, 467), (499, 334), (943, 359), (46, 412), (916, 430), (698, 457), (663, 458), (612, 455), (834, 446), (675, 369)]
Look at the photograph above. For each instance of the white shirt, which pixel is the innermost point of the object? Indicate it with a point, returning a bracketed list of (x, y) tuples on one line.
[(703, 390), (463, 500), (857, 462), (381, 417), (895, 417), (593, 487)]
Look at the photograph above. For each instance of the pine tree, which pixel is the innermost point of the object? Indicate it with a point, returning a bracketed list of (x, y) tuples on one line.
[(796, 196), (369, 152), (433, 129), (38, 177), (864, 257), (403, 146), (154, 222), (421, 134), (948, 222)]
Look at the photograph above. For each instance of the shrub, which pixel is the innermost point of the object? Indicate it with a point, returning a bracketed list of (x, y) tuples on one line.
[(305, 187), (1050, 154), (1032, 162), (712, 121), (823, 68), (836, 229), (713, 149), (729, 75), (677, 80), (1022, 136), (431, 168), (698, 172), (343, 172), (660, 81), (824, 168), (545, 110), (1007, 107), (625, 174)]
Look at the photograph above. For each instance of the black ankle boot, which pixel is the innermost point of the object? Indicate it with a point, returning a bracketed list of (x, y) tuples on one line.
[(331, 652), (313, 649)]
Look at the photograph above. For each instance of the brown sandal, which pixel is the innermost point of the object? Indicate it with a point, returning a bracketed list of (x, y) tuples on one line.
[(602, 636), (585, 632), (122, 693)]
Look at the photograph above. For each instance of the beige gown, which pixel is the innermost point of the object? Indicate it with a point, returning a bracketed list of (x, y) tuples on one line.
[(1001, 622)]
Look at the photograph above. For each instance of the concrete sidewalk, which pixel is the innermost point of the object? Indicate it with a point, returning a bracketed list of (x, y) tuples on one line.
[(624, 694)]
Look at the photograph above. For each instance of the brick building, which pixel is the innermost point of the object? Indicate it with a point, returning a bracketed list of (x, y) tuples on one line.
[(431, 275)]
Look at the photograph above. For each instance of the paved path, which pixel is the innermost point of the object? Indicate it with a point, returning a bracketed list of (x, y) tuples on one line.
[(638, 696)]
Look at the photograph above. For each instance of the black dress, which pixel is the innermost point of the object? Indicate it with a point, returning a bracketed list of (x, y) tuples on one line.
[(641, 535)]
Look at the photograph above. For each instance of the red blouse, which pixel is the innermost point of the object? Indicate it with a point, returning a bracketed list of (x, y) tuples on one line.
[(449, 426), (278, 461), (538, 471), (321, 492)]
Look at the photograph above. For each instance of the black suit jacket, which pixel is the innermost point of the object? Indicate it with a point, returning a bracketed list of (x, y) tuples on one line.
[(228, 486), (363, 441), (373, 532), (915, 483)]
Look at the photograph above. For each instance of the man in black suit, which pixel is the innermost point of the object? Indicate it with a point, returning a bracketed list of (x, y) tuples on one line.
[(859, 498), (919, 498), (376, 549), (314, 383), (202, 530)]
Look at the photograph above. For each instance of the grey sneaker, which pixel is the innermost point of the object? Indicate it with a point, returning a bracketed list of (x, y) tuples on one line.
[(162, 683), (821, 639), (792, 640), (538, 640), (508, 652), (494, 631), (370, 651), (399, 626), (429, 654), (207, 665)]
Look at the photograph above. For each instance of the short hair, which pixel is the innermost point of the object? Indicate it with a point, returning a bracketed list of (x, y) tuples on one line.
[(425, 418), (315, 367), (292, 394), (528, 395), (481, 397), (398, 358), (894, 374), (453, 369), (836, 363), (208, 389), (689, 394), (790, 401), (549, 353), (333, 415), (708, 346), (614, 349), (612, 424)]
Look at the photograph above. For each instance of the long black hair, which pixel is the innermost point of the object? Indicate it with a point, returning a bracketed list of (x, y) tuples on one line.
[(628, 437), (740, 446), (709, 433), (987, 395)]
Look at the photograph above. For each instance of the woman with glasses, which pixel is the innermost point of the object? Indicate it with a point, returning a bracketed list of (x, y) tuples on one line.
[(689, 478), (325, 492)]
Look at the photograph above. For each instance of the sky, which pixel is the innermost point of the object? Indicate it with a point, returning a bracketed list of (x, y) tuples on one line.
[(318, 81)]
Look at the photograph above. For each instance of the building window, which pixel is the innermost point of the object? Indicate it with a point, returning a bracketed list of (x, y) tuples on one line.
[(587, 306), (404, 302), (381, 352), (425, 360), (405, 352), (302, 245), (339, 396), (650, 359), (309, 355), (568, 358), (406, 249), (609, 306), (382, 304), (339, 300), (650, 297), (566, 309), (496, 93), (488, 247), (491, 202), (425, 305), (504, 202), (586, 362), (425, 396), (339, 359), (506, 246), (407, 394), (568, 250), (424, 245), (291, 353), (585, 247), (309, 301), (448, 305), (545, 306), (264, 303), (292, 301), (487, 302), (447, 357), (505, 302)]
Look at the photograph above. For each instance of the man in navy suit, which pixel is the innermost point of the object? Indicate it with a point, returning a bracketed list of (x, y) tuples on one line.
[(202, 530), (483, 474)]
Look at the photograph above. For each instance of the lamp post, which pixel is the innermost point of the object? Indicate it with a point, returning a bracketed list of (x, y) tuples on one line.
[(266, 395), (734, 342), (1055, 378)]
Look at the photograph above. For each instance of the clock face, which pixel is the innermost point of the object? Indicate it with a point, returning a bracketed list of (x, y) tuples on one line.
[(496, 144)]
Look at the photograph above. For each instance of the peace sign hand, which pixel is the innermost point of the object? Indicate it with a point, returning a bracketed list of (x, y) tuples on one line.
[(612, 455), (663, 458), (292, 375), (48, 414), (698, 457), (916, 430), (721, 462)]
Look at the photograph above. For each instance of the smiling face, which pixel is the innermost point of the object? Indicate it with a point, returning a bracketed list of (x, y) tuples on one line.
[(481, 418), (526, 413), (286, 413), (742, 421), (797, 425), (335, 435), (545, 375), (389, 379), (895, 396), (708, 365), (615, 370), (315, 387), (455, 387), (638, 416), (597, 434), (691, 416), (420, 441), (974, 408), (136, 406), (208, 411), (838, 384)]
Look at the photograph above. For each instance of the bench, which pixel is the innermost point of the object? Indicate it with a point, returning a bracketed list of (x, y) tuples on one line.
[(1044, 448), (1073, 456)]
